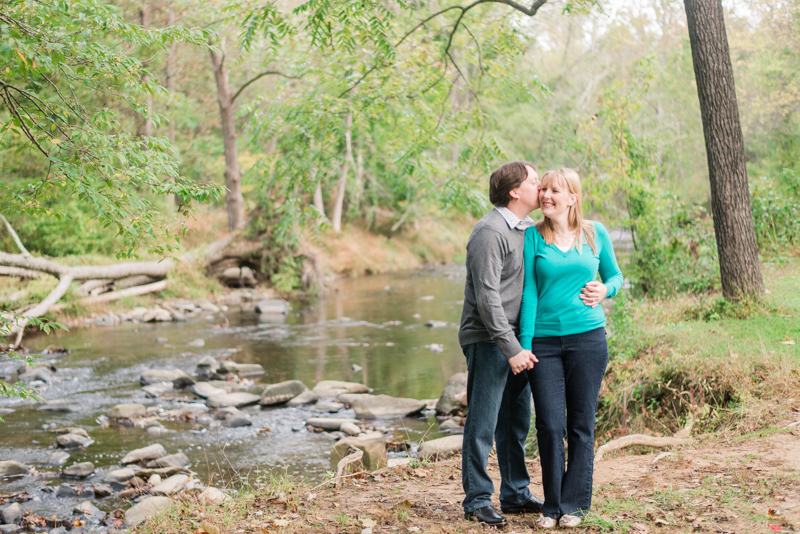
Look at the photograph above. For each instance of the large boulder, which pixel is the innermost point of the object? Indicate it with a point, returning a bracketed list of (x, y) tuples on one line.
[(73, 440), (12, 468), (233, 399), (282, 392), (375, 456), (171, 460), (374, 406), (178, 378), (171, 485), (306, 397), (450, 401), (79, 470), (334, 388), (127, 411), (151, 452), (438, 449), (329, 423), (206, 390), (146, 509)]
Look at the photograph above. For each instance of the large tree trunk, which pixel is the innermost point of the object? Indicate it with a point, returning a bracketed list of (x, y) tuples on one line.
[(348, 156), (233, 174), (730, 195)]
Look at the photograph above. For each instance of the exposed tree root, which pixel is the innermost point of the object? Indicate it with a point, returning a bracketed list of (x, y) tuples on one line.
[(637, 439)]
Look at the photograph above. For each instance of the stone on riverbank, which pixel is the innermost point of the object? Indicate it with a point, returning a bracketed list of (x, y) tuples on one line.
[(306, 397), (207, 367), (12, 514), (272, 307), (439, 449), (151, 452), (236, 420), (156, 315), (162, 471), (206, 390), (350, 428), (12, 468), (119, 475), (241, 369), (102, 490), (146, 509), (178, 378), (91, 512), (58, 405), (127, 411), (329, 423), (170, 486), (212, 495), (73, 441), (334, 388), (350, 398), (282, 392), (58, 458), (156, 390), (375, 406), (79, 470), (374, 449), (173, 460), (450, 401), (232, 399), (329, 407), (450, 424)]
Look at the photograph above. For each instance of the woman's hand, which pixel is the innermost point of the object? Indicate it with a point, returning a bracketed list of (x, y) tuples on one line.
[(593, 293)]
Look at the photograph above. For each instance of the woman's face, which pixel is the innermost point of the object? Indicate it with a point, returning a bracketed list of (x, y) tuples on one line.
[(555, 199)]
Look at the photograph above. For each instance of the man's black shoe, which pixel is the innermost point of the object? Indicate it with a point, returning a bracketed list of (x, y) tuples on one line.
[(531, 506), (487, 515)]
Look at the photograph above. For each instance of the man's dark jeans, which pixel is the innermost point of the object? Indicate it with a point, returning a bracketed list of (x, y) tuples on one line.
[(565, 385), (499, 410)]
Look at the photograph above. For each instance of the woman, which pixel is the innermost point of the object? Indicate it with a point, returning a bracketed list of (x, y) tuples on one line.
[(562, 324)]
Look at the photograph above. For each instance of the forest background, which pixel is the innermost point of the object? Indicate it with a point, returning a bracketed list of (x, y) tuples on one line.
[(379, 117)]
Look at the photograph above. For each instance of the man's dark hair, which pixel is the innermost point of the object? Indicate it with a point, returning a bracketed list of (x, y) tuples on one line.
[(506, 178)]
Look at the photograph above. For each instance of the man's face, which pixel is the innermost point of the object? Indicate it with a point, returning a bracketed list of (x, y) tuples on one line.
[(528, 191)]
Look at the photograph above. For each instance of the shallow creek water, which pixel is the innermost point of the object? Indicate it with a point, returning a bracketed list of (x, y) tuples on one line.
[(364, 331)]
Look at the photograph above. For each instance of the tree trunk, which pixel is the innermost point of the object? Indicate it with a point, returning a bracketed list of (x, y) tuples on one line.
[(730, 195), (348, 155), (170, 77), (147, 128), (233, 175)]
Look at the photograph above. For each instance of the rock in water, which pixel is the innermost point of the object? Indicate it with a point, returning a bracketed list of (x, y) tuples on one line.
[(272, 307), (232, 399), (450, 424), (330, 407), (329, 423), (65, 491), (207, 367), (12, 468), (127, 411), (80, 470), (171, 485), (242, 369), (146, 509), (146, 453), (374, 449), (282, 392), (119, 475), (334, 388), (178, 378), (307, 397), (197, 343), (103, 490), (58, 405), (156, 390), (375, 406), (450, 401), (73, 441), (12, 514), (350, 428), (91, 512), (58, 457), (350, 398), (441, 448), (212, 496), (172, 460), (236, 420), (206, 390)]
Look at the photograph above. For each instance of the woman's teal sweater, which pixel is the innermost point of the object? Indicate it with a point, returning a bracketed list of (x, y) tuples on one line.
[(551, 304)]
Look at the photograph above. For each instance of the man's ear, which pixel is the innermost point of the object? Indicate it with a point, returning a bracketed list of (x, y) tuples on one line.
[(513, 193)]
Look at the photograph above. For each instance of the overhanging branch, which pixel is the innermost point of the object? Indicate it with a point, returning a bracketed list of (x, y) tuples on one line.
[(258, 77)]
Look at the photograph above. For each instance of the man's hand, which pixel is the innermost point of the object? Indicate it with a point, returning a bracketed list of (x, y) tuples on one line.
[(523, 361), (593, 293)]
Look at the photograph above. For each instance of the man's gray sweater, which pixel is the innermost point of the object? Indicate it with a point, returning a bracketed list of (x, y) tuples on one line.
[(493, 292)]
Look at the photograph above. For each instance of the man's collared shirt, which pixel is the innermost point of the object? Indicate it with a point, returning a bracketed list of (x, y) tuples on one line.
[(513, 221)]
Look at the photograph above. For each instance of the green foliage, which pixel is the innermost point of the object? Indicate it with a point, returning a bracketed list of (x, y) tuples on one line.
[(62, 63), (776, 211)]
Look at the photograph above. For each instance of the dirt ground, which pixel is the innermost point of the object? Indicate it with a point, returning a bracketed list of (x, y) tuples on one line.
[(738, 485)]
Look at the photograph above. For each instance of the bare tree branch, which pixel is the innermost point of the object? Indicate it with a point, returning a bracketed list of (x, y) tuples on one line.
[(15, 237), (261, 75)]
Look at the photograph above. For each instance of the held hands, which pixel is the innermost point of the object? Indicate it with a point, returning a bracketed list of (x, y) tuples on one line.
[(523, 361), (593, 293)]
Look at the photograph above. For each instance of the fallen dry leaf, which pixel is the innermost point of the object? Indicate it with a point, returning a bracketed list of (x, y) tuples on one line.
[(640, 527), (280, 522), (662, 522), (773, 513), (788, 341)]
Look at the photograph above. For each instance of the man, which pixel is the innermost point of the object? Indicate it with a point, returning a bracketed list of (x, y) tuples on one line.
[(497, 385)]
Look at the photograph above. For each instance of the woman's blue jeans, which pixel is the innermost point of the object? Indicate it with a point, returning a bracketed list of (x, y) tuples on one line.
[(565, 385), (499, 411)]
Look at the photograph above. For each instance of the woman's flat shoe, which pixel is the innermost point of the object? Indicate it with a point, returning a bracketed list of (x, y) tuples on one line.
[(545, 522), (569, 521)]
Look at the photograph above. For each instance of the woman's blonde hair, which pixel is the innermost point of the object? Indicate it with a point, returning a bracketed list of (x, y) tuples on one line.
[(569, 180)]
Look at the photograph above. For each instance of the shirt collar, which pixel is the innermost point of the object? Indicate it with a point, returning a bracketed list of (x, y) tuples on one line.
[(513, 221)]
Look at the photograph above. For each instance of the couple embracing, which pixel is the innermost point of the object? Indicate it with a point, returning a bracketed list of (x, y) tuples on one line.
[(532, 325)]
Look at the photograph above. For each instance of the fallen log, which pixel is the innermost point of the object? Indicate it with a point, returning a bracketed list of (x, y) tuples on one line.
[(18, 272), (638, 439), (121, 294)]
